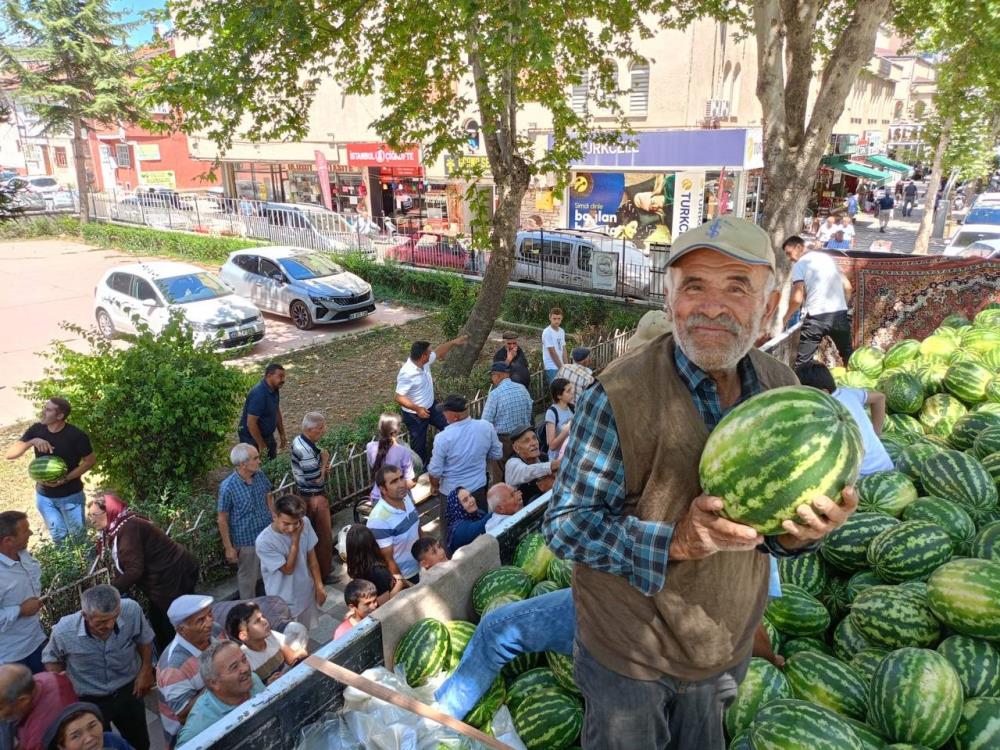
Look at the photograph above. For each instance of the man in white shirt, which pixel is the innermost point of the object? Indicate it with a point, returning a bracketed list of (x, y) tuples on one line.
[(553, 345), (395, 524), (847, 227), (288, 564), (825, 233), (822, 291), (21, 636), (525, 470), (415, 392), (503, 501)]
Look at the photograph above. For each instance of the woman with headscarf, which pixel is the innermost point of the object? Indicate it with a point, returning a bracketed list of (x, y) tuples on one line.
[(388, 450), (80, 726), (465, 520), (143, 556), (365, 562)]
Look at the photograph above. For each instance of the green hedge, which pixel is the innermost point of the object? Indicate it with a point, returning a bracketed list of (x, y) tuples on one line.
[(26, 228), (143, 241)]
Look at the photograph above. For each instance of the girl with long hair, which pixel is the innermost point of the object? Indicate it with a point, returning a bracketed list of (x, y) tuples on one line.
[(388, 450), (364, 560)]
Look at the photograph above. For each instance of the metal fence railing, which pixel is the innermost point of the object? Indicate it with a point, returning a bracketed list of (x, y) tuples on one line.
[(561, 262)]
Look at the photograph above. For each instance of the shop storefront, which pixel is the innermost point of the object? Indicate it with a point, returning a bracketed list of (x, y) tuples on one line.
[(840, 177), (297, 182), (394, 183), (664, 182)]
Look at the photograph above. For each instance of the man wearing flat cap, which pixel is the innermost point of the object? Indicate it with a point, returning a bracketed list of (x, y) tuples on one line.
[(461, 451), (688, 587), (508, 406), (177, 676), (512, 353), (577, 371)]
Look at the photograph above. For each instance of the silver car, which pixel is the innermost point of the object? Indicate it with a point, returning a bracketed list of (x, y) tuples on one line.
[(301, 284)]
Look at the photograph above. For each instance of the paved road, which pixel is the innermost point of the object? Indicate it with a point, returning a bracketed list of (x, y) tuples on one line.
[(47, 282)]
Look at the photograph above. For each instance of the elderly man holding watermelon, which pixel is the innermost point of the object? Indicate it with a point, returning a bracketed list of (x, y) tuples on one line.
[(670, 528)]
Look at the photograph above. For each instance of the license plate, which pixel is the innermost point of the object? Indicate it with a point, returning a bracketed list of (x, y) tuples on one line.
[(241, 333), (359, 314)]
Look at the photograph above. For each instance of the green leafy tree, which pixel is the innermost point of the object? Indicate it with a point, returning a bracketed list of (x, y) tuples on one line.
[(68, 61), (434, 64), (158, 411)]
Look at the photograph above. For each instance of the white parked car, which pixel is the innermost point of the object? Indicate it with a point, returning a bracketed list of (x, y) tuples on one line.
[(151, 291), (969, 233), (301, 284)]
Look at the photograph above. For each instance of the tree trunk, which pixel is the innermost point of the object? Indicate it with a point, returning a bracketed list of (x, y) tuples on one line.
[(80, 163), (511, 189), (923, 240)]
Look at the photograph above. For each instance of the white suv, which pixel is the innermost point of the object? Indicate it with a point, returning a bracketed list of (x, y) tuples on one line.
[(151, 291)]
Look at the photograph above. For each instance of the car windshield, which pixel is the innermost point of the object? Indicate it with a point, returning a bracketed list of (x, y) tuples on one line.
[(979, 250), (983, 216), (192, 287), (966, 238), (301, 267)]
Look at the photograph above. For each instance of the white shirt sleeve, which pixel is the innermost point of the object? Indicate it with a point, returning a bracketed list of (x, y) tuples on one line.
[(798, 271), (517, 472)]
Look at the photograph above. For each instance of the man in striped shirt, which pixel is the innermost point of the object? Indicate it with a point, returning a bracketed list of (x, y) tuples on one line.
[(310, 464), (177, 676)]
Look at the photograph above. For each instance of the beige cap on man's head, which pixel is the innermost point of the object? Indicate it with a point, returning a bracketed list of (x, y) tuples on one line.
[(740, 239)]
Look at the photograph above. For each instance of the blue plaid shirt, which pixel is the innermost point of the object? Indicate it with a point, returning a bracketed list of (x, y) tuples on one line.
[(246, 505), (585, 521), (508, 406)]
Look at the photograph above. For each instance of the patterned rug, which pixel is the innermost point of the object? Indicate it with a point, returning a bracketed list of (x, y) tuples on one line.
[(908, 297)]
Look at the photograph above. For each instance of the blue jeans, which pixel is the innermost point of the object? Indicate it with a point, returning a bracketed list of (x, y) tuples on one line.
[(542, 623), (62, 515), (550, 375), (416, 429)]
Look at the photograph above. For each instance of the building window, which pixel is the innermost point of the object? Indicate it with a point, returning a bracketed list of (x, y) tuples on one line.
[(123, 156), (579, 94), (638, 96), (60, 152)]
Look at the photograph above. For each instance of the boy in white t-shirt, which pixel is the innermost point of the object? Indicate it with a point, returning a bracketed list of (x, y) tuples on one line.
[(553, 345), (267, 651)]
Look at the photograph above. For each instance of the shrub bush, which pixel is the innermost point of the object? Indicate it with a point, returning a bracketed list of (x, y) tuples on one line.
[(30, 227), (143, 241), (158, 411)]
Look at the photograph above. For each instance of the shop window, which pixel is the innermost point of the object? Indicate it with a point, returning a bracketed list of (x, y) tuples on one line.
[(638, 97), (123, 156), (579, 94), (60, 155)]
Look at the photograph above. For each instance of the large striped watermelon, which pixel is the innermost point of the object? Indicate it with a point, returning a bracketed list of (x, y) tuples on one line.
[(955, 320), (857, 379), (562, 667), (992, 391), (550, 720), (805, 571), (915, 696), (807, 643), (987, 442), (423, 651), (47, 469), (902, 423), (867, 360), (561, 572), (938, 347), (867, 736), (988, 317), (960, 478), (522, 663), (866, 661), (848, 640), (530, 682), (826, 681), (991, 465), (863, 579), (543, 587), (801, 444), (939, 414), (980, 339), (931, 374), (533, 556), (835, 598), (986, 543), (904, 393), (900, 353), (893, 617), (951, 517), (763, 683), (968, 427), (481, 715), (976, 662), (459, 634), (791, 724), (507, 579), (979, 726), (910, 550), (885, 492), (967, 381), (847, 547), (963, 595), (501, 600), (797, 612), (912, 457)]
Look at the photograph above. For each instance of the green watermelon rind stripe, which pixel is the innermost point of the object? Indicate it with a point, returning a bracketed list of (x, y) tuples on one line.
[(911, 550), (551, 719), (892, 617), (979, 725), (827, 681), (976, 662), (963, 595)]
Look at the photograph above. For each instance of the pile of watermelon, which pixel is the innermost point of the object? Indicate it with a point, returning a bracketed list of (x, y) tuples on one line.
[(538, 689), (891, 630)]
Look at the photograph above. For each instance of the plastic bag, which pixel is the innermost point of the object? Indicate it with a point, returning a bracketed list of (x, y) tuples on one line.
[(367, 723)]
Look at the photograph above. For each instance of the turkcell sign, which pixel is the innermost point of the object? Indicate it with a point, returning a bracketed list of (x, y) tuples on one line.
[(689, 201)]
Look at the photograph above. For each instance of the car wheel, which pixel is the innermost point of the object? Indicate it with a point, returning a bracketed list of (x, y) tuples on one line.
[(105, 324), (300, 315)]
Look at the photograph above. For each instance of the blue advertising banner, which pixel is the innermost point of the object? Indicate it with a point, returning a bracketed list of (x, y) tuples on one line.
[(669, 149), (594, 199), (636, 206)]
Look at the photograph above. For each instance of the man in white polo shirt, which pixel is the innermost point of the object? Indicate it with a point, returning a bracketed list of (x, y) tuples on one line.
[(395, 524), (415, 392)]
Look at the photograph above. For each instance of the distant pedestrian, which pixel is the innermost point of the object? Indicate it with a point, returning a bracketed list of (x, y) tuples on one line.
[(310, 465), (288, 564), (388, 450), (909, 197), (898, 191), (462, 451), (21, 634), (513, 355), (852, 206), (261, 415), (60, 502), (415, 392), (825, 233), (553, 345), (847, 227), (885, 206), (244, 510), (821, 291), (577, 372), (838, 242)]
